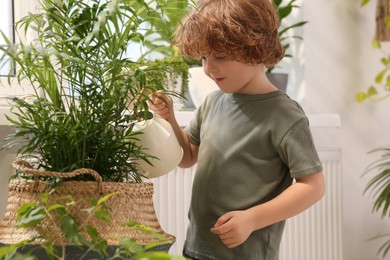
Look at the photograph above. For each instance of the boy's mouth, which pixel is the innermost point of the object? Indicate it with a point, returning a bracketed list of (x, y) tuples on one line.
[(217, 80)]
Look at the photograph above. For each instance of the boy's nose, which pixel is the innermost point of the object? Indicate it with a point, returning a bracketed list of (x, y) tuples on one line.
[(208, 66)]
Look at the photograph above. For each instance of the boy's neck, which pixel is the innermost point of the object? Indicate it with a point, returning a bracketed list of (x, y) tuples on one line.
[(260, 84)]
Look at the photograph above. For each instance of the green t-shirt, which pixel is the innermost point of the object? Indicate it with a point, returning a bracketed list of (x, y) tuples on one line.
[(250, 149)]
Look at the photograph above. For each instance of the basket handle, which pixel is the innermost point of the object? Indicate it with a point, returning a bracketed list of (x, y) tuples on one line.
[(24, 167)]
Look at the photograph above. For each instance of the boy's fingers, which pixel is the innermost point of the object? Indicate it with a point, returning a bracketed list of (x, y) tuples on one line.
[(220, 230), (157, 98)]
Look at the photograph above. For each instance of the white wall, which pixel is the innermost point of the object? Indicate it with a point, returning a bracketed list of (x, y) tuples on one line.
[(339, 62), (6, 170)]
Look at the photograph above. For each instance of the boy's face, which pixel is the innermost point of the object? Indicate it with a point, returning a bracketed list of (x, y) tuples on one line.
[(233, 76)]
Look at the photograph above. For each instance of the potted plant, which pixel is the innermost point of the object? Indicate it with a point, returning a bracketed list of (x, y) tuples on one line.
[(379, 184), (379, 188), (88, 95), (284, 11), (381, 87), (380, 90), (157, 45), (42, 212), (200, 85)]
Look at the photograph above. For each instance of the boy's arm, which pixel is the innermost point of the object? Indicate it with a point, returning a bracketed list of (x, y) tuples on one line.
[(235, 227), (162, 106), (190, 151)]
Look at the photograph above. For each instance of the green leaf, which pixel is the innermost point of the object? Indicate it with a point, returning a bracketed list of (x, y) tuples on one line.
[(61, 209), (384, 249), (132, 224), (285, 29), (130, 245), (102, 215), (8, 250), (379, 77), (156, 256), (375, 43), (99, 245), (277, 2), (379, 184), (70, 228), (44, 197), (30, 215), (67, 198), (364, 2), (372, 91), (387, 85), (105, 198), (137, 226), (92, 232), (361, 96), (284, 11), (384, 61)]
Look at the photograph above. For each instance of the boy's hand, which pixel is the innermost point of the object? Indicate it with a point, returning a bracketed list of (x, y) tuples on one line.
[(162, 106), (233, 228)]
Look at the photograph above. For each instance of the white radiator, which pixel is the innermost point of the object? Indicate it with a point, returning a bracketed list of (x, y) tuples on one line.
[(314, 234)]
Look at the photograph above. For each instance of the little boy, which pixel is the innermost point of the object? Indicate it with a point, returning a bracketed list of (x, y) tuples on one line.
[(250, 140)]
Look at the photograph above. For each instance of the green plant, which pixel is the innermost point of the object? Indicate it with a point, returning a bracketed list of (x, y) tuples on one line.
[(284, 10), (178, 70), (379, 187), (58, 212), (382, 79), (81, 114), (379, 184), (157, 43), (164, 22)]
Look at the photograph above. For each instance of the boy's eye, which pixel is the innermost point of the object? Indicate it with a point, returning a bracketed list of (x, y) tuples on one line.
[(220, 56)]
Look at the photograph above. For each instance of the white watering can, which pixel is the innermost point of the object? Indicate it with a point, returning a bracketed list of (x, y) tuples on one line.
[(159, 140)]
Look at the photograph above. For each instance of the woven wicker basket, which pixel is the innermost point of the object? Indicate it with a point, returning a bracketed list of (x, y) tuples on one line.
[(133, 203)]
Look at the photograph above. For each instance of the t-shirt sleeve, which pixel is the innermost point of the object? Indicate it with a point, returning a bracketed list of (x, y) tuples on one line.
[(298, 151), (193, 129)]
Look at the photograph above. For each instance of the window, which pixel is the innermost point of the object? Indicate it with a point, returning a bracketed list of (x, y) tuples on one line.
[(6, 21), (12, 10)]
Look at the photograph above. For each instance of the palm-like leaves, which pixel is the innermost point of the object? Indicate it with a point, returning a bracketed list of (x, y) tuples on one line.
[(83, 85), (284, 10), (379, 187)]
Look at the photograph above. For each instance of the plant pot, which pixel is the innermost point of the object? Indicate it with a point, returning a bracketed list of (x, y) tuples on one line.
[(77, 252), (134, 202), (279, 80), (159, 140), (174, 84)]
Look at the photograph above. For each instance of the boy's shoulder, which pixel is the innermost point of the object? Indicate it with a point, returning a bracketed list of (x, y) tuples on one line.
[(273, 103)]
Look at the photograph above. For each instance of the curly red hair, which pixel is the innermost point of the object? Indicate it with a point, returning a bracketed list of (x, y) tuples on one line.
[(246, 30)]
